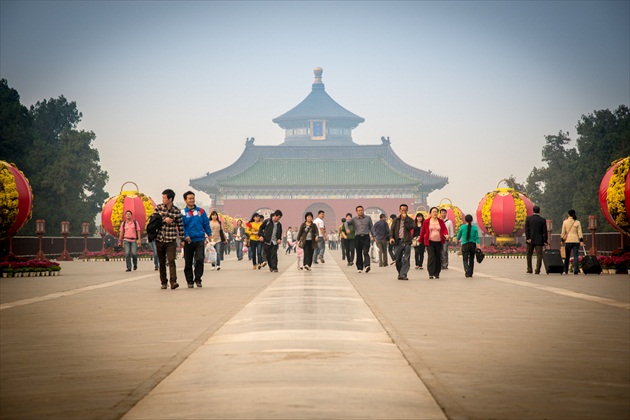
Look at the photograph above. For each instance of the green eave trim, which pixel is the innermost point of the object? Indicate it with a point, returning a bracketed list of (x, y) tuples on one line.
[(311, 173)]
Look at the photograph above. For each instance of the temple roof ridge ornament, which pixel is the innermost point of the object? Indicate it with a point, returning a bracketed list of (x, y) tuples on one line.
[(318, 117)]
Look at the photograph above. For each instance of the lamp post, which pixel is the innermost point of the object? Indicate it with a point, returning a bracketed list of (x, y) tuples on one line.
[(592, 226), (65, 231), (102, 232), (549, 229), (40, 230), (85, 231)]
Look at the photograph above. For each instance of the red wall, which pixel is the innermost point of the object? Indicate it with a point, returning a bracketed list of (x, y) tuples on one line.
[(292, 210)]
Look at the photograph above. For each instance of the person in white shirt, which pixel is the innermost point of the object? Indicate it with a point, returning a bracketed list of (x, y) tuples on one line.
[(448, 238), (321, 239)]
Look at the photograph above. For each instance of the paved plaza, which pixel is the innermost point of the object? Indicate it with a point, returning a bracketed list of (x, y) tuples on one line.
[(99, 343)]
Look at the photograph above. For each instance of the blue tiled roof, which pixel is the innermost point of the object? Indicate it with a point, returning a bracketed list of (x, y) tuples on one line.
[(318, 105)]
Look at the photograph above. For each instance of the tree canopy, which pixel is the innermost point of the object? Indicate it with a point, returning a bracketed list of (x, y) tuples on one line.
[(60, 161), (572, 176)]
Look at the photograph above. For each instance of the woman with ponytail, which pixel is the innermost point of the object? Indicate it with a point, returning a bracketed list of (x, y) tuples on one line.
[(469, 236)]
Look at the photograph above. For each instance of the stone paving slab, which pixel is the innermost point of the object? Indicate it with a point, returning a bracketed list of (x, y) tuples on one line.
[(308, 347)]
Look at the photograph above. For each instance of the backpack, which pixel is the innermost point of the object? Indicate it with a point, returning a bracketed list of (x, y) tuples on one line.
[(154, 225)]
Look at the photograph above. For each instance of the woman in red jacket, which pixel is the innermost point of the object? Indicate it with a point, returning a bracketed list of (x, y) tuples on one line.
[(434, 232)]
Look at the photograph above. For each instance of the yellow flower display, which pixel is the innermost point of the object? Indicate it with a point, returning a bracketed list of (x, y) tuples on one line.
[(616, 195), (9, 199), (519, 208), (119, 206)]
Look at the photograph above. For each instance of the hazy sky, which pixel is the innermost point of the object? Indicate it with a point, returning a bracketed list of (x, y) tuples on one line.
[(465, 89)]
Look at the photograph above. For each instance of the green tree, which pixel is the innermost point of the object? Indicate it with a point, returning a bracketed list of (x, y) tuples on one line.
[(15, 128), (604, 136), (60, 161), (552, 187)]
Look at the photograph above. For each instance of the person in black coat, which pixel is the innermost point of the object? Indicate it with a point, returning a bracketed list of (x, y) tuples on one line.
[(271, 232), (536, 238)]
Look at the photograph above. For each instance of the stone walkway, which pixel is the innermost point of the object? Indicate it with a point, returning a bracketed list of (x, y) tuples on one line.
[(99, 343)]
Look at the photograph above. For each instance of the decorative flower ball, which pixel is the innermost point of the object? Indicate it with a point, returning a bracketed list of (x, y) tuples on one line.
[(614, 195), (114, 209), (16, 200), (453, 213), (502, 213)]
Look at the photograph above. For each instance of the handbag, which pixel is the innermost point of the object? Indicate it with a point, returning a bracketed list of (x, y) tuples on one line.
[(415, 241), (479, 255), (302, 242)]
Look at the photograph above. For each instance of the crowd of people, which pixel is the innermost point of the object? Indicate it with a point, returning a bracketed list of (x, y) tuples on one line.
[(358, 238)]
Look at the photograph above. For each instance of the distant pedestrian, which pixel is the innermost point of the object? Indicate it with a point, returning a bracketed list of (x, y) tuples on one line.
[(239, 235), (321, 239), (299, 253), (363, 230), (348, 235), (449, 237), (536, 238), (255, 245), (391, 247), (290, 241), (166, 240), (469, 237), (434, 233), (416, 241), (196, 231), (381, 230), (130, 236), (307, 239), (271, 233), (571, 239), (400, 235), (218, 239)]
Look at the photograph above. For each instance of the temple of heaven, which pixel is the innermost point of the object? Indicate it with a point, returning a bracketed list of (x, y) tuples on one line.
[(317, 167)]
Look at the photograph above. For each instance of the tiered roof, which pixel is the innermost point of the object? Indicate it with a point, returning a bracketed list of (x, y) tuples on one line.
[(305, 167), (328, 164)]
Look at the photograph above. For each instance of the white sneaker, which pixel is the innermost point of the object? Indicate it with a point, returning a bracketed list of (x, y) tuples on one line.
[(359, 271), (213, 268)]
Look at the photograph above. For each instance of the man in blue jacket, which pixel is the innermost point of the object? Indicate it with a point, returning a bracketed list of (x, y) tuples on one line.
[(196, 230)]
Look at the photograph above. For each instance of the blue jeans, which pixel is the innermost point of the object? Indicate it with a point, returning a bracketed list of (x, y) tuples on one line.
[(219, 248), (155, 258), (239, 249), (321, 247), (572, 248), (256, 247), (131, 251)]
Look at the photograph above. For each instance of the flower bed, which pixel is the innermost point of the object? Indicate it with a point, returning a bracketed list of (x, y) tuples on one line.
[(505, 251), (118, 254), (23, 267)]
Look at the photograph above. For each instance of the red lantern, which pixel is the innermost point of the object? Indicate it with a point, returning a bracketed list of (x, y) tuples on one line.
[(614, 195), (502, 213), (16, 198), (141, 206), (480, 218)]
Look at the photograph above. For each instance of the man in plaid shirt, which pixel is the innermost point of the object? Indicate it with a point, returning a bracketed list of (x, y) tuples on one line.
[(166, 240)]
